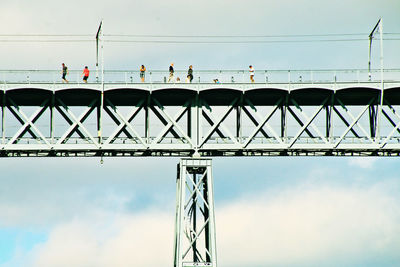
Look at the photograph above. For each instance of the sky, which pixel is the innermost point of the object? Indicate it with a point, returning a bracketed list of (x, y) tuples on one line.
[(270, 211)]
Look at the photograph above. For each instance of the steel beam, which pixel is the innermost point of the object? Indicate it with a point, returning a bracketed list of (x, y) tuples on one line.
[(195, 241)]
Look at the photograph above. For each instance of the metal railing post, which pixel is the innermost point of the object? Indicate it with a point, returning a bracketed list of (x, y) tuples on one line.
[(312, 77)]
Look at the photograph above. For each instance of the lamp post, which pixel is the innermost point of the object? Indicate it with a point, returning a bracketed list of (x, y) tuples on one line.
[(378, 27)]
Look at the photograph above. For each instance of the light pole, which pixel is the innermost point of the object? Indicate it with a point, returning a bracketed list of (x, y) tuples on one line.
[(378, 27), (99, 31)]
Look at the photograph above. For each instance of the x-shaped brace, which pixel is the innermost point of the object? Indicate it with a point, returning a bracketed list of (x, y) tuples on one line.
[(305, 126), (77, 122), (355, 120), (196, 190), (196, 237), (397, 126), (218, 124), (305, 117), (169, 123), (260, 124), (27, 122), (124, 123)]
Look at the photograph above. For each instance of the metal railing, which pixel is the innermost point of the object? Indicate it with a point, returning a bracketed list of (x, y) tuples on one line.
[(203, 76)]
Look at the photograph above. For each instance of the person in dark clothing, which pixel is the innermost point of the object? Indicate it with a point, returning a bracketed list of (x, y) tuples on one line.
[(190, 74), (171, 72), (64, 72)]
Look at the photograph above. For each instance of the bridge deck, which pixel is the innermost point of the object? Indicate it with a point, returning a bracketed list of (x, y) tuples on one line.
[(358, 93), (182, 119)]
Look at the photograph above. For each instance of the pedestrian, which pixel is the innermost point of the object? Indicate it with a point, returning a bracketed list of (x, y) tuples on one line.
[(190, 74), (142, 72), (171, 72), (64, 73), (85, 74), (251, 70)]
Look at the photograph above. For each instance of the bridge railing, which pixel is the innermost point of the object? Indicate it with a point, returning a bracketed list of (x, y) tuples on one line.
[(203, 76)]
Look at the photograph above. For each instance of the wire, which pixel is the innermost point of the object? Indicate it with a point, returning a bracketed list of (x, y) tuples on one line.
[(188, 41), (45, 35), (234, 42), (196, 42), (195, 36), (235, 36), (44, 41)]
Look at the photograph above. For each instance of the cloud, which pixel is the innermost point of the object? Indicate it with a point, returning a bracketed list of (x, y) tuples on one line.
[(363, 162), (316, 226), (72, 188), (302, 226), (142, 240)]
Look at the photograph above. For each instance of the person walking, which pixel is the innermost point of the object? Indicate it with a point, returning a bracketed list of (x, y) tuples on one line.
[(251, 70), (85, 74), (64, 73), (190, 74), (171, 72), (142, 72)]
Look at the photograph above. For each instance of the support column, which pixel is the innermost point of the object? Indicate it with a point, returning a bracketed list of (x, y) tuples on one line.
[(193, 121), (52, 105), (195, 242)]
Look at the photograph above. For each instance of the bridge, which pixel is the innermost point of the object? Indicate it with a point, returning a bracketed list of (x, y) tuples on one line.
[(300, 112), (283, 113)]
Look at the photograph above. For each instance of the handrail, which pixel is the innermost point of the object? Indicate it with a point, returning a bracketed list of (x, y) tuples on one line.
[(205, 76)]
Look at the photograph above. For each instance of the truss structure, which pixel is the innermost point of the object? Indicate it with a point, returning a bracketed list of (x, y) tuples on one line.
[(209, 120), (195, 243)]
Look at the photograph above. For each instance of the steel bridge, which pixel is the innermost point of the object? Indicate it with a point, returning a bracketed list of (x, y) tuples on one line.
[(284, 113), (320, 115)]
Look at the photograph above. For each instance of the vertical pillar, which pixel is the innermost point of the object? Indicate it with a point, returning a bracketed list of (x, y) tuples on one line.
[(382, 83), (195, 242), (330, 125), (52, 117), (147, 119), (3, 109), (284, 119), (100, 110), (194, 122), (239, 123), (372, 121)]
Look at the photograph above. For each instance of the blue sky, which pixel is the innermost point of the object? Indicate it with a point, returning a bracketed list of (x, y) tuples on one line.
[(270, 211), (306, 211)]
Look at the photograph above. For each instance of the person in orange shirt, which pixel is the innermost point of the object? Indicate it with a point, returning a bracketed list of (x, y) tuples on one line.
[(142, 72), (85, 74)]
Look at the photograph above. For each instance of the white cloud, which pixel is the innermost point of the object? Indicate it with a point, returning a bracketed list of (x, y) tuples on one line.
[(305, 226), (310, 227), (363, 162), (80, 188), (142, 240)]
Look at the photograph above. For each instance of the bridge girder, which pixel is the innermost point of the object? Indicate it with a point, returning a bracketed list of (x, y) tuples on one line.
[(228, 120)]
